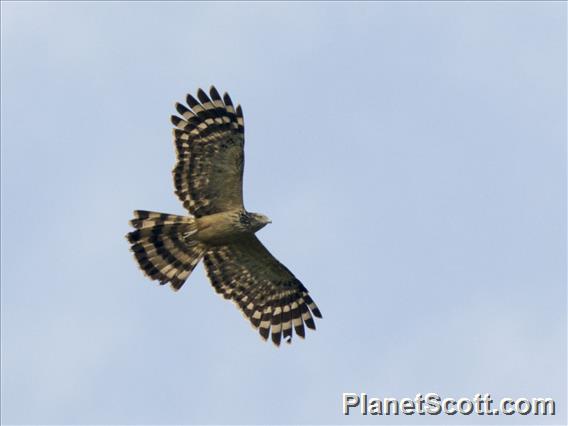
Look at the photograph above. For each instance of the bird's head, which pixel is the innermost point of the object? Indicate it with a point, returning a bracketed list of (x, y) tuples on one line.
[(258, 221)]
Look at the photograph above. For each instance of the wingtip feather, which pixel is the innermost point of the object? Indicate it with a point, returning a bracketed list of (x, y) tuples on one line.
[(202, 96), (214, 93), (191, 101)]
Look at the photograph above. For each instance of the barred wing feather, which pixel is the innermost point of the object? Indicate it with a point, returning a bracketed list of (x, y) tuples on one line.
[(209, 139), (268, 294)]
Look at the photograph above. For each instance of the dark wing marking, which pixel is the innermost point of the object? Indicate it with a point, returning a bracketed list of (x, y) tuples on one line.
[(269, 295), (209, 140)]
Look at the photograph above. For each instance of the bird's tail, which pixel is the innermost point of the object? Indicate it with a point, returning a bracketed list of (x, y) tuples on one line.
[(164, 246)]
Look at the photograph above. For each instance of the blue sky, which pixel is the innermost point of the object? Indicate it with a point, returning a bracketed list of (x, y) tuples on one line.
[(412, 158)]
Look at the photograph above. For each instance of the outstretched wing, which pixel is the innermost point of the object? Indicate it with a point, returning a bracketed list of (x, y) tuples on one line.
[(209, 139), (269, 295)]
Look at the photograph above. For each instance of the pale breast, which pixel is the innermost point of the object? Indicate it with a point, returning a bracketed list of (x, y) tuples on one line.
[(220, 228)]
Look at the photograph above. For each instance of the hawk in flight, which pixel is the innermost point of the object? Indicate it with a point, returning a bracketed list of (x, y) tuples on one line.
[(208, 179)]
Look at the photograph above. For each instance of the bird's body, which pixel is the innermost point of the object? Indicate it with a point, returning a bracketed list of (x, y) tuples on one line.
[(226, 227), (208, 175)]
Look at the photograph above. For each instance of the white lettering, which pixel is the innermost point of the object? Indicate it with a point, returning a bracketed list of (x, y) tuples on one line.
[(350, 400)]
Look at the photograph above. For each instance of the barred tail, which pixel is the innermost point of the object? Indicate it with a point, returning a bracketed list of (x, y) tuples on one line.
[(164, 247)]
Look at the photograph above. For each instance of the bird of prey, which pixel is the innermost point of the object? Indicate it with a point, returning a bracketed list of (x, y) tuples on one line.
[(208, 179)]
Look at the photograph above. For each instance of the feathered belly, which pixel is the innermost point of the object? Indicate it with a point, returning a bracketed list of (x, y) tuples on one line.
[(219, 228)]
